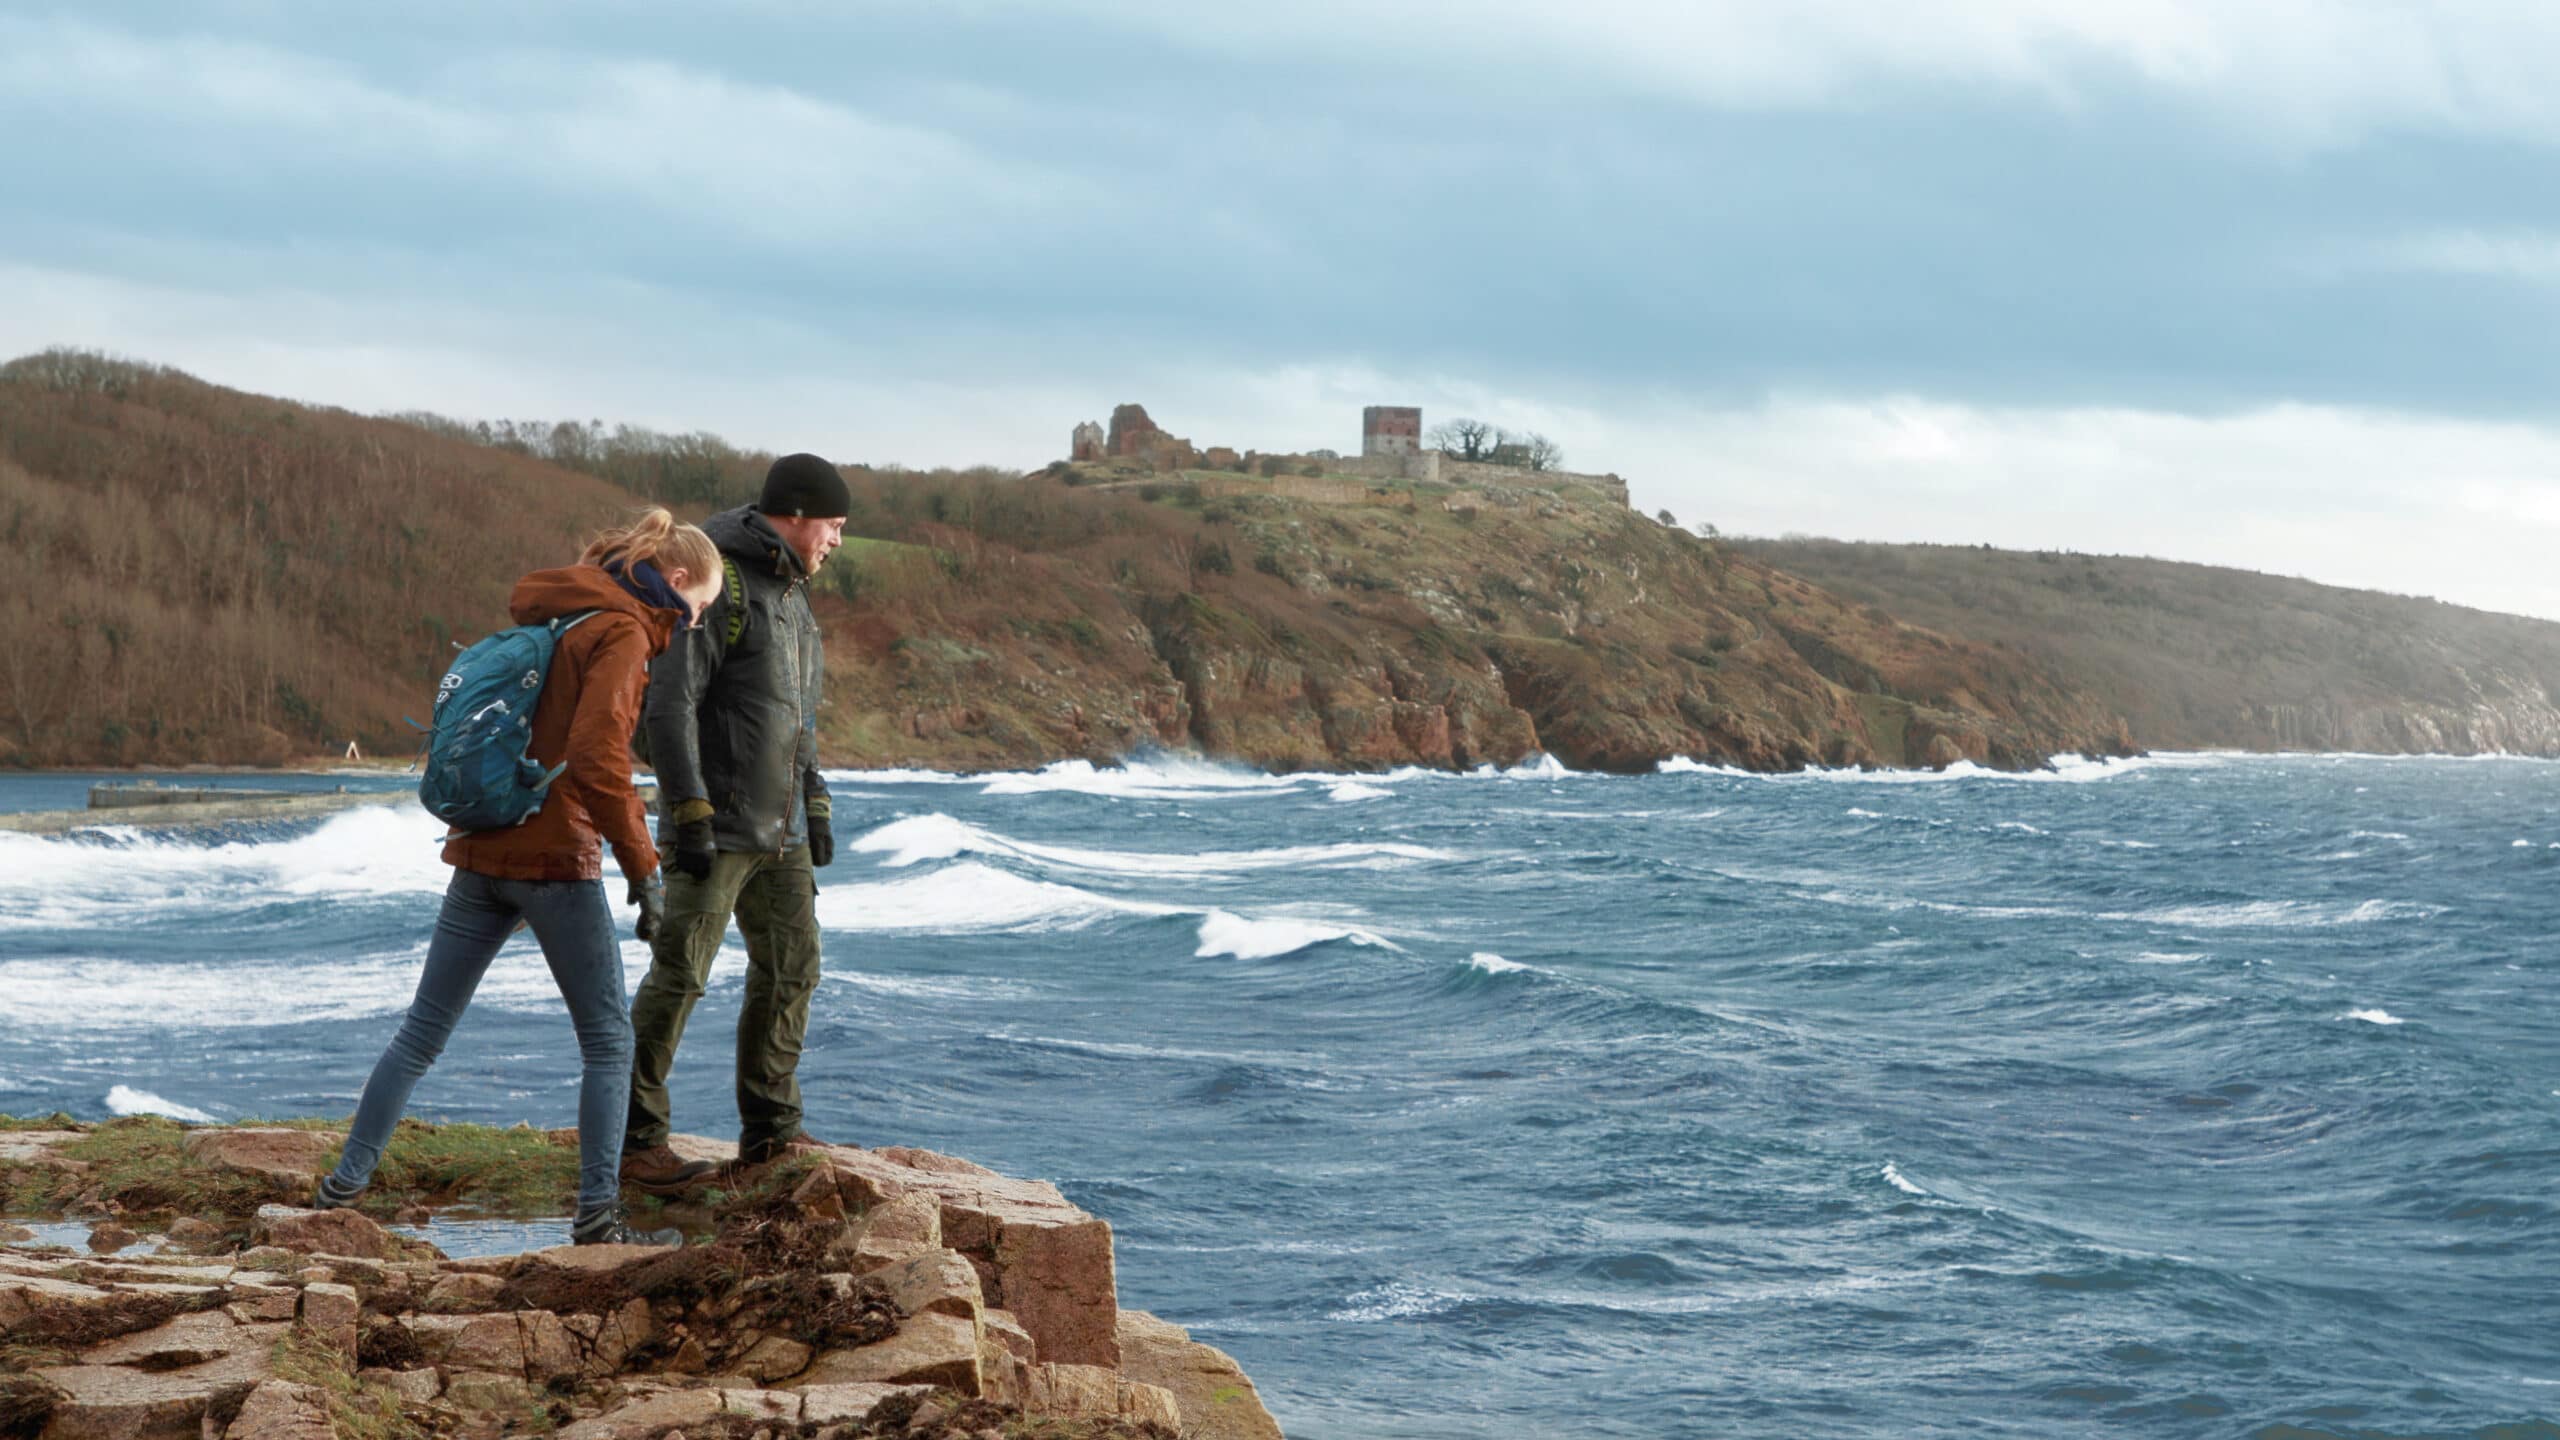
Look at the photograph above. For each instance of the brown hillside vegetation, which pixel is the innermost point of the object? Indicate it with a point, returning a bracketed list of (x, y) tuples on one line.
[(223, 577), (213, 576), (2200, 657)]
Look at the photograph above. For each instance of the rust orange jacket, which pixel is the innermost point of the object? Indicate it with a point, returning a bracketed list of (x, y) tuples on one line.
[(589, 709)]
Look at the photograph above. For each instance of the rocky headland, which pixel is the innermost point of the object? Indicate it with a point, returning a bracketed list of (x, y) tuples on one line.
[(315, 569), (840, 1293)]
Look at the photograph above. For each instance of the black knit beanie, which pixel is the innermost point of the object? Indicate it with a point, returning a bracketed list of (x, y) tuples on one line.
[(807, 487)]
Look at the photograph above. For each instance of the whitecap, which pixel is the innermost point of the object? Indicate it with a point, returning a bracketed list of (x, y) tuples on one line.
[(1350, 791), (1162, 779), (2167, 957), (1893, 1176), (1492, 964), (2279, 914), (1857, 813), (107, 995), (2060, 769), (123, 877), (1223, 933), (920, 838), (897, 776), (125, 1100), (1397, 1301), (2374, 1016), (2018, 825), (965, 898)]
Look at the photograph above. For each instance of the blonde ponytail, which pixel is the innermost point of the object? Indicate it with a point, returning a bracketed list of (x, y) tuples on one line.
[(654, 535)]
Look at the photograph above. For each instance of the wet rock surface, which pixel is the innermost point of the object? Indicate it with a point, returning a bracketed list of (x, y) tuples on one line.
[(844, 1294)]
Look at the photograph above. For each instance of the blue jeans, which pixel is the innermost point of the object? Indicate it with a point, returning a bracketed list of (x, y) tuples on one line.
[(575, 927)]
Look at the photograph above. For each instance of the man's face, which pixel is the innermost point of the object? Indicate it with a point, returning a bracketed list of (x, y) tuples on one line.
[(812, 540)]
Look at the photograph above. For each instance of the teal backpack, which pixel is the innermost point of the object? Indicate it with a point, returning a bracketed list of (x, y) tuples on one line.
[(478, 774)]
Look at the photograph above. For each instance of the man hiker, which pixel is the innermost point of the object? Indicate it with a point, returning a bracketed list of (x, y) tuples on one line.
[(732, 726)]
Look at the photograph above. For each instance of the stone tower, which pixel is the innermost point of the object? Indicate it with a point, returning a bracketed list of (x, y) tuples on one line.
[(1086, 443), (1391, 430)]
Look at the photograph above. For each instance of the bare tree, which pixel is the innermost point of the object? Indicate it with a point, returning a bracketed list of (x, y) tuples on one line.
[(1465, 438), (1541, 453)]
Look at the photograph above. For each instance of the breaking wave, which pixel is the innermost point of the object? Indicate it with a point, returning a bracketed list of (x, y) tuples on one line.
[(921, 838)]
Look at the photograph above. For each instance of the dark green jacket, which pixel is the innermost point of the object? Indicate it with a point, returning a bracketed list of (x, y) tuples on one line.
[(732, 711)]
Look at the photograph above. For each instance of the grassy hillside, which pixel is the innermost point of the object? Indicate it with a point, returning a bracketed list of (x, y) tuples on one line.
[(2199, 657), (223, 577)]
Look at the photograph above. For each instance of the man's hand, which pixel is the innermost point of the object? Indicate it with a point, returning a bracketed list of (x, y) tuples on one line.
[(693, 848), (822, 834), (650, 893)]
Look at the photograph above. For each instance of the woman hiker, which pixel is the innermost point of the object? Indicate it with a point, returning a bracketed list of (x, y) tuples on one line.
[(641, 583)]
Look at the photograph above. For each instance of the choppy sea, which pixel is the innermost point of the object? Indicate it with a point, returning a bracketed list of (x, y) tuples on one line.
[(2196, 1095)]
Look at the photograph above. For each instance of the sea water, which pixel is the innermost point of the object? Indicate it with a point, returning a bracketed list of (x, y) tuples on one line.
[(2198, 1095)]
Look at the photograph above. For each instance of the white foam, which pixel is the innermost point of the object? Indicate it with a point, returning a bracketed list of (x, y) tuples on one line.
[(1397, 1301), (1223, 933), (1894, 1177), (1492, 964), (2279, 915), (1350, 791), (2374, 1016), (921, 838), (122, 877), (125, 1100), (896, 776), (2018, 825), (98, 995), (2063, 769), (1165, 779), (1857, 813), (2165, 957), (966, 898)]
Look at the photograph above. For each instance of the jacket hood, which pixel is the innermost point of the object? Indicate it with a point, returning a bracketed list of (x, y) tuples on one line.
[(546, 595), (747, 537)]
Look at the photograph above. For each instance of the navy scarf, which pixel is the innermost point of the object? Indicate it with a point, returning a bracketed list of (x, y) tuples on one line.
[(650, 588)]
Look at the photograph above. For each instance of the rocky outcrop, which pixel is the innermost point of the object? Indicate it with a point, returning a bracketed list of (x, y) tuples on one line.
[(846, 1292)]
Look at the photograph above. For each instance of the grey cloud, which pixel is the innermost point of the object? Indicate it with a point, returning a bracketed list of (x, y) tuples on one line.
[(2006, 209)]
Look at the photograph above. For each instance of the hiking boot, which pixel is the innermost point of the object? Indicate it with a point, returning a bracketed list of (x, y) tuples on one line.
[(609, 1228), (765, 1152), (330, 1197), (659, 1170)]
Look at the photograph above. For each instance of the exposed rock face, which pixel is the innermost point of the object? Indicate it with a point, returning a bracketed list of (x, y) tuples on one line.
[(283, 1410), (1297, 635), (327, 1232), (844, 1283), (289, 1158), (1215, 1398)]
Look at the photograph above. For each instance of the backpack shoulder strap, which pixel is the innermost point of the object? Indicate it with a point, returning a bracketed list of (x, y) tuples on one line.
[(737, 585), (566, 623)]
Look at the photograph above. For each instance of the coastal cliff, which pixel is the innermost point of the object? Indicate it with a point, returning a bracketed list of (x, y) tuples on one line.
[(840, 1294), (2202, 657)]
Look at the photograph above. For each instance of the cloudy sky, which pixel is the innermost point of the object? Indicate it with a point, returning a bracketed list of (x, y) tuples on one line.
[(2269, 284)]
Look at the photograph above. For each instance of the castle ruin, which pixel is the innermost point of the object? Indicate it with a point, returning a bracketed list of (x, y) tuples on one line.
[(1391, 448)]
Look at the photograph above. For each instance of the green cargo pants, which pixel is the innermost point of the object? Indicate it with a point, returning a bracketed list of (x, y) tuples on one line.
[(776, 900)]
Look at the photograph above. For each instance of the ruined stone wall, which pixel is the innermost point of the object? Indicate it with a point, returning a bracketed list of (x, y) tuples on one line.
[(1476, 472)]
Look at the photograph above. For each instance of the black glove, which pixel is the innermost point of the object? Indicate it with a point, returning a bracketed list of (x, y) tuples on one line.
[(822, 841), (693, 848), (650, 894)]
